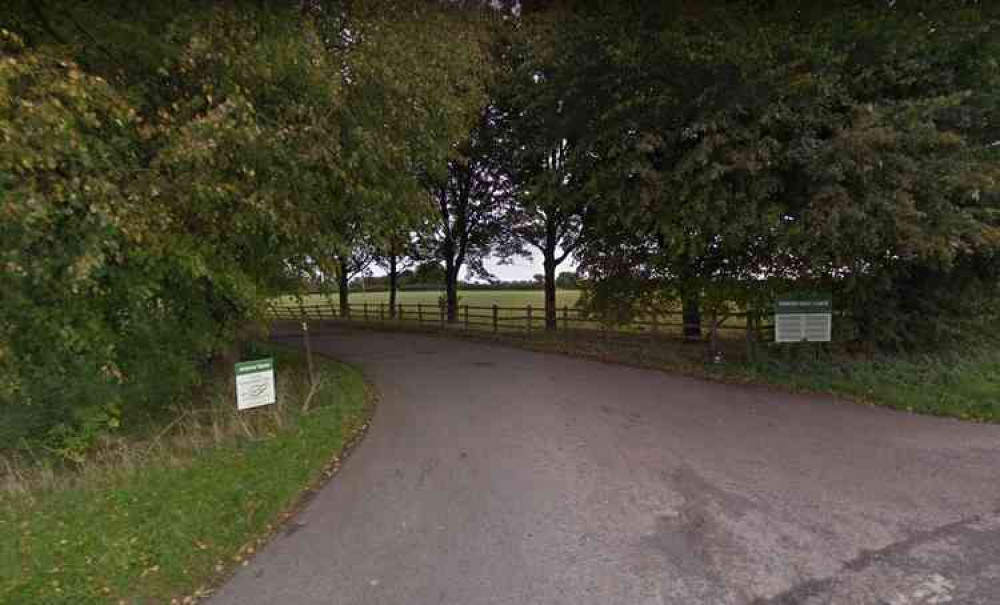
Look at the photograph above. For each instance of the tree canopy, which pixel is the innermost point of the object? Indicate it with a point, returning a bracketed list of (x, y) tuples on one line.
[(748, 150), (167, 169)]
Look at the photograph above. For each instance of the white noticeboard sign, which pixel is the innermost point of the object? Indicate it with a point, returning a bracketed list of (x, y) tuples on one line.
[(798, 320), (255, 384)]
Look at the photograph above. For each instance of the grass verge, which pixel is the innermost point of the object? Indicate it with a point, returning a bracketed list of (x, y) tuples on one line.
[(957, 384), (166, 520), (963, 385)]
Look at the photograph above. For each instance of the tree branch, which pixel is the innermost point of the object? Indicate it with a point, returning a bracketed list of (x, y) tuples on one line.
[(36, 7), (97, 43)]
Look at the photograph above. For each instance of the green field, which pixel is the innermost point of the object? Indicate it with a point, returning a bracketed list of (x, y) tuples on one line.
[(473, 298), (475, 311)]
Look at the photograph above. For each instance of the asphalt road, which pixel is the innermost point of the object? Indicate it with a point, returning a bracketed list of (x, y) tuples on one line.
[(494, 475)]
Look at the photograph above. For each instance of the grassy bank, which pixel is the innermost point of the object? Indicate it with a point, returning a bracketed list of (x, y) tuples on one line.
[(953, 383), (169, 517), (963, 384)]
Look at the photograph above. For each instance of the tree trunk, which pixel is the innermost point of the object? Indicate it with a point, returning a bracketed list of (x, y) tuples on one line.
[(550, 290), (451, 289), (344, 286), (393, 284), (692, 316)]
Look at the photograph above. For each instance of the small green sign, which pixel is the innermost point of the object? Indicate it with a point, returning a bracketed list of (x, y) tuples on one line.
[(250, 367), (255, 384)]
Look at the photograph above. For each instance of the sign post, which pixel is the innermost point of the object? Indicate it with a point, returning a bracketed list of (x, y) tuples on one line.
[(255, 384), (803, 320)]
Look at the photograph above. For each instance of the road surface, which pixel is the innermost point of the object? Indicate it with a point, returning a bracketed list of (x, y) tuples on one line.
[(499, 476)]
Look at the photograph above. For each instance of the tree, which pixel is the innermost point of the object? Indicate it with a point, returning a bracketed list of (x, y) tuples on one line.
[(788, 149), (67, 158), (176, 164), (469, 200), (429, 272), (430, 114), (348, 265), (550, 156), (153, 186), (399, 254), (567, 280)]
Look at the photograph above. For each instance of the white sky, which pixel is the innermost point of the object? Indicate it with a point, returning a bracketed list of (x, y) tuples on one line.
[(522, 269)]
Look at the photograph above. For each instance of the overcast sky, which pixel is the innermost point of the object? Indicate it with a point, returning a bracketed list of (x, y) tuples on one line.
[(521, 270)]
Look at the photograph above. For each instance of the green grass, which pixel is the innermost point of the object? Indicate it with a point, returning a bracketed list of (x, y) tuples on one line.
[(473, 298), (477, 305), (177, 522), (423, 309), (962, 385)]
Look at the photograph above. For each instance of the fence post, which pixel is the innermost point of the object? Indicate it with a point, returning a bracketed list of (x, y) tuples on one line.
[(399, 311), (656, 323), (420, 314), (365, 307), (565, 317), (309, 354), (751, 337), (715, 338), (441, 312), (496, 319), (381, 312), (530, 321), (466, 311)]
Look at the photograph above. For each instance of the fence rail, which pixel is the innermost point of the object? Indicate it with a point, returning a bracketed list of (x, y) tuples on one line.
[(752, 327)]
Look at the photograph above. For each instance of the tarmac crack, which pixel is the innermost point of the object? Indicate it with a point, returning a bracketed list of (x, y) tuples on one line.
[(817, 587)]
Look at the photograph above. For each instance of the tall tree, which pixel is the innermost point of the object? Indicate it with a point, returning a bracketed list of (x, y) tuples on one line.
[(550, 155), (786, 148), (424, 117), (469, 200), (399, 252), (548, 214)]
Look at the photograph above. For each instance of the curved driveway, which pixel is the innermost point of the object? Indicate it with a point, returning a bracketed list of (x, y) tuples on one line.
[(494, 475)]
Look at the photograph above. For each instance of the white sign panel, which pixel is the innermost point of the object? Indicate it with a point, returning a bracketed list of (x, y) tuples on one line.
[(797, 320), (255, 384), (803, 327)]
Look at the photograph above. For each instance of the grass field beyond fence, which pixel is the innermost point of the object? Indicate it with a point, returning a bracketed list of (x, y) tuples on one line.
[(509, 311), (473, 298)]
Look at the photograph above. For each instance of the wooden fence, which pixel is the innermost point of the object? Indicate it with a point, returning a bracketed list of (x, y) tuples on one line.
[(504, 320)]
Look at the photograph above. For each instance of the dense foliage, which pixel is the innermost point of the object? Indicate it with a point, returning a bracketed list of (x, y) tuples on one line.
[(747, 149), (167, 168), (165, 171)]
